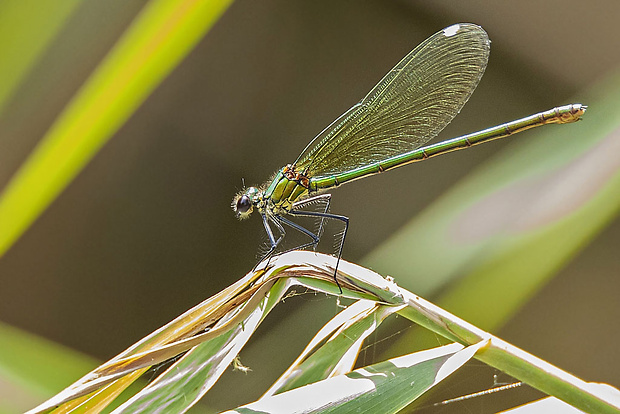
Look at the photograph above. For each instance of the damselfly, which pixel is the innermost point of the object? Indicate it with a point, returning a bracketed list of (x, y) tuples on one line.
[(387, 129)]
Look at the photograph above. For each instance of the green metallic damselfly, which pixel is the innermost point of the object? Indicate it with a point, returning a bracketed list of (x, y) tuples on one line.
[(387, 129)]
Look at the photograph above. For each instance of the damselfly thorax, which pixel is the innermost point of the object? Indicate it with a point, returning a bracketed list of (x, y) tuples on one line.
[(287, 187)]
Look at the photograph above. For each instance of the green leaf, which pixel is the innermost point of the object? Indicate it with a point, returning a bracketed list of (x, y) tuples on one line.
[(343, 337), (386, 387), (160, 37), (189, 378)]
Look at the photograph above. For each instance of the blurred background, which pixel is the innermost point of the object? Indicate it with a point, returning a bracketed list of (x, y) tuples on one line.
[(146, 231)]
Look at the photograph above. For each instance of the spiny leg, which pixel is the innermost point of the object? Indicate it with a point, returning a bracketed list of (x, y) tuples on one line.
[(315, 237), (344, 219), (278, 221), (326, 198), (272, 240)]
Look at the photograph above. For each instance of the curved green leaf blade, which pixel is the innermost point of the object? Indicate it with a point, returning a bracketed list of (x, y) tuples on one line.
[(386, 387), (344, 336), (189, 379), (159, 38)]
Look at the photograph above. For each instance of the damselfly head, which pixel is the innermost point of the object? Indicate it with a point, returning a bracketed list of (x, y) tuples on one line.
[(243, 203)]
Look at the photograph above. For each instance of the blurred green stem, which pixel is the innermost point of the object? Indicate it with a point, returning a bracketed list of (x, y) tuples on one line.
[(159, 38)]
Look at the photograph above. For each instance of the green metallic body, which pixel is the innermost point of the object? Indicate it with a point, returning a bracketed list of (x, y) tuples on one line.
[(283, 191)]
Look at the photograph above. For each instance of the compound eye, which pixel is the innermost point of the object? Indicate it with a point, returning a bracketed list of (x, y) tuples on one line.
[(244, 204)]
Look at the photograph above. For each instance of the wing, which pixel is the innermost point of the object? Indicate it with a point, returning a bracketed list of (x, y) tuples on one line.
[(407, 108)]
